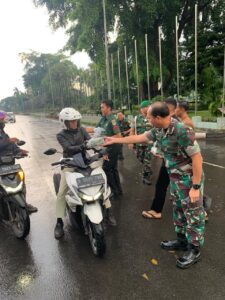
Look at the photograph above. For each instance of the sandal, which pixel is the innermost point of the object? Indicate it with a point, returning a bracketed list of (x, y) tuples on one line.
[(151, 214)]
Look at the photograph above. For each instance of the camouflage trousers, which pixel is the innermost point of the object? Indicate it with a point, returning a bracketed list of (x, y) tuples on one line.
[(188, 217), (144, 155)]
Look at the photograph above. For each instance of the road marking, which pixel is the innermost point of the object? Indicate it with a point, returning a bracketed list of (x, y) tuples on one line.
[(213, 165)]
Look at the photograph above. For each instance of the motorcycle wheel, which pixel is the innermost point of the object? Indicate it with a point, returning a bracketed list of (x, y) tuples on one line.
[(97, 238), (21, 221)]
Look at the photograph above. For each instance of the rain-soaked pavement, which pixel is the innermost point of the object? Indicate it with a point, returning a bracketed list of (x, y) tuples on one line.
[(42, 268)]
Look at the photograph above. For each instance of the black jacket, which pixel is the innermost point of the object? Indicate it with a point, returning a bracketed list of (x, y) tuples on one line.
[(7, 147), (71, 140)]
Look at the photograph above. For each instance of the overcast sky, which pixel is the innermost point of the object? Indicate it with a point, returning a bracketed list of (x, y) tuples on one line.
[(22, 28)]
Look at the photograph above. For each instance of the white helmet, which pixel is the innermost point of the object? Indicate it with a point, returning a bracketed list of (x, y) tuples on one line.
[(69, 114)]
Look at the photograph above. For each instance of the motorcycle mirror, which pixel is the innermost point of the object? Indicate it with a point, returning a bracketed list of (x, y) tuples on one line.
[(50, 151), (21, 143)]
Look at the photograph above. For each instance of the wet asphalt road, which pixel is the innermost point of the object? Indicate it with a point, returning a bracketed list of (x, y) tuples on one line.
[(43, 268)]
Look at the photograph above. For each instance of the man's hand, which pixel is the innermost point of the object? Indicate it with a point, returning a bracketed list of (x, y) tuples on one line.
[(83, 147), (194, 195), (14, 140), (126, 132), (90, 129), (106, 157), (24, 152), (109, 141)]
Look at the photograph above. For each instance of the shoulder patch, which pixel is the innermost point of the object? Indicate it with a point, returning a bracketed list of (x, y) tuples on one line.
[(114, 122)]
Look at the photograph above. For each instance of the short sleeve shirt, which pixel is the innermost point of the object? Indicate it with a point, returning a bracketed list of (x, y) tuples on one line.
[(124, 125), (110, 125), (177, 144), (140, 124)]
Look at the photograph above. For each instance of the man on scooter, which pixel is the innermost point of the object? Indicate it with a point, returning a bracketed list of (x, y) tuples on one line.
[(72, 139), (7, 146)]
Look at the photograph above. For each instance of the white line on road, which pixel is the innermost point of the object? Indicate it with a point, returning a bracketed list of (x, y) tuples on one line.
[(213, 165)]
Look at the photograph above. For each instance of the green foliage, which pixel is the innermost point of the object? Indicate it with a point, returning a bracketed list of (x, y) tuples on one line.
[(211, 91), (135, 18), (49, 77), (52, 81), (14, 103)]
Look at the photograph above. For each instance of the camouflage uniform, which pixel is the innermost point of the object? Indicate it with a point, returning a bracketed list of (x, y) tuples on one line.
[(124, 125), (110, 167), (178, 145), (143, 151)]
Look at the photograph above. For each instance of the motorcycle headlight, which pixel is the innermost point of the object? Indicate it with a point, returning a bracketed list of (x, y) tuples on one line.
[(97, 196), (89, 198)]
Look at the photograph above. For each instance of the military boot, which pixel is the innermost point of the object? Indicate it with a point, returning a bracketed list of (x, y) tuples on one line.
[(59, 232), (190, 257), (31, 209), (179, 244)]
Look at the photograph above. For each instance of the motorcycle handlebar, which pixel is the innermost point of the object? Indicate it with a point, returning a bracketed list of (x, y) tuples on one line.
[(56, 163), (62, 162), (19, 156)]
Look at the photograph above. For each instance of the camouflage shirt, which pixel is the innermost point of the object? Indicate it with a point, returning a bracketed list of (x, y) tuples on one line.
[(110, 125), (177, 144), (140, 124), (124, 125)]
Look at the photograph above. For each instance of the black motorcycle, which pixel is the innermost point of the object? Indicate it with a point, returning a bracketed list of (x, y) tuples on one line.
[(13, 210)]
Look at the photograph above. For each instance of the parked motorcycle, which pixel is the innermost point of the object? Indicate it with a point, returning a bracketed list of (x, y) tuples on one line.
[(13, 210), (87, 194)]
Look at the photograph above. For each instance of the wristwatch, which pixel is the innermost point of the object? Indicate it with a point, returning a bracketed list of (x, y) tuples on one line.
[(196, 186)]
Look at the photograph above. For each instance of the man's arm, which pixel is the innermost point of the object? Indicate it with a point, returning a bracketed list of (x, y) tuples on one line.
[(133, 139), (186, 139), (195, 195), (189, 123), (85, 133), (90, 129), (67, 147), (197, 168)]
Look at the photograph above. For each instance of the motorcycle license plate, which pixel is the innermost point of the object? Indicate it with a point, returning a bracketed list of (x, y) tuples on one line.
[(4, 170), (90, 181)]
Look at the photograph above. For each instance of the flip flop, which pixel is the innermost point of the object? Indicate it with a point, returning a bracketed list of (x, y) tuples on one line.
[(150, 215)]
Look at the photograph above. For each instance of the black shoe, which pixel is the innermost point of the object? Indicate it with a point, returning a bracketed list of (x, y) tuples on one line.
[(59, 232), (179, 244), (190, 257), (31, 209), (110, 219)]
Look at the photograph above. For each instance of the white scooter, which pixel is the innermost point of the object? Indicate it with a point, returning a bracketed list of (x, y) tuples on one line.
[(88, 194)]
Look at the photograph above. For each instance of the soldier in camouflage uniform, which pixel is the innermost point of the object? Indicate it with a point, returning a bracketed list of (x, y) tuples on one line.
[(109, 123), (124, 126), (143, 151), (184, 164)]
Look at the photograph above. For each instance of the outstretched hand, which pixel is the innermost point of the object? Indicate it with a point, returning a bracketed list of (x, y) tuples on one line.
[(108, 141), (14, 140)]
